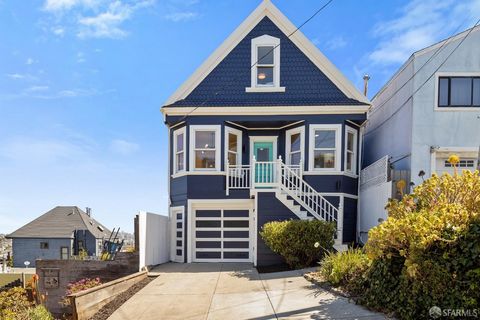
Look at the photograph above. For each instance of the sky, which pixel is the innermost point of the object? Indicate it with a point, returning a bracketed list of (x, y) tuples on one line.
[(82, 82)]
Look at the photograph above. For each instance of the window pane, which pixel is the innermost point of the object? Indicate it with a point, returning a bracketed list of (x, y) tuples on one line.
[(232, 142), (476, 92), (265, 55), (205, 159), (205, 139), (180, 142), (295, 158), (295, 142), (461, 91), (324, 139), (265, 76), (180, 158), (232, 158), (349, 161), (350, 141), (443, 92), (324, 159)]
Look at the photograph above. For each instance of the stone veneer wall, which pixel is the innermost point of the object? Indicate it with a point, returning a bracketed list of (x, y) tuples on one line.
[(74, 270)]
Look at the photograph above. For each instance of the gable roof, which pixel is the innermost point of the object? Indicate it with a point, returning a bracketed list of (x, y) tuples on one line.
[(267, 10), (61, 222)]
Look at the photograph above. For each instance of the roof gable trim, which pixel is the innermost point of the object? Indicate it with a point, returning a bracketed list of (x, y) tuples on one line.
[(267, 9)]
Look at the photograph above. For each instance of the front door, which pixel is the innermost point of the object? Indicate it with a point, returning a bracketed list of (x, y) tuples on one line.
[(264, 167)]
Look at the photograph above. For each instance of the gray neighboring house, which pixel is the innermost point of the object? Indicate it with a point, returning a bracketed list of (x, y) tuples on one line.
[(441, 118), (57, 234)]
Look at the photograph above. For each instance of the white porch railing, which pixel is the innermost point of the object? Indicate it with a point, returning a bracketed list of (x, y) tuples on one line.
[(288, 178)]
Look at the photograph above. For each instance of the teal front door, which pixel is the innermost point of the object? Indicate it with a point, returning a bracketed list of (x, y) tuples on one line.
[(264, 166)]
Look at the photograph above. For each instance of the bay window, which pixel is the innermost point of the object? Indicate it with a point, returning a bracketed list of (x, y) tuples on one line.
[(325, 147), (294, 147), (233, 146), (179, 150), (350, 150), (205, 147)]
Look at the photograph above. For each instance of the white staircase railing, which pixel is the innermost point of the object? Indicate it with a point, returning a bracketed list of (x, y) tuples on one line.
[(297, 188), (287, 178)]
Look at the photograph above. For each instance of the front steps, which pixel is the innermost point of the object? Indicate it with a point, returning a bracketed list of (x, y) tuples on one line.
[(290, 204)]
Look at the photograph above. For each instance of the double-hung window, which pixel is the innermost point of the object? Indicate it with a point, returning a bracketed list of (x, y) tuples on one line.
[(179, 139), (350, 150), (233, 146), (295, 145), (459, 92), (325, 147), (265, 62), (205, 147)]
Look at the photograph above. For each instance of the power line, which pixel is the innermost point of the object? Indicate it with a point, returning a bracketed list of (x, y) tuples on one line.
[(409, 79), (421, 86), (256, 62)]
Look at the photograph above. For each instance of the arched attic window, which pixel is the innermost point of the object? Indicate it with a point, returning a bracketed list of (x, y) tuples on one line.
[(266, 61)]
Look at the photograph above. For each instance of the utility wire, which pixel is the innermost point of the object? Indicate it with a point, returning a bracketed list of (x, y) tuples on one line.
[(377, 108), (253, 65), (430, 77)]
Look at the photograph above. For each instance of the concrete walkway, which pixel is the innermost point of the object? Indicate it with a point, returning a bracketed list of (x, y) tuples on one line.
[(234, 291)]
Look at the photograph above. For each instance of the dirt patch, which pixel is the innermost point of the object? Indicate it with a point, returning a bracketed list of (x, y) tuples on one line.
[(113, 305), (316, 278)]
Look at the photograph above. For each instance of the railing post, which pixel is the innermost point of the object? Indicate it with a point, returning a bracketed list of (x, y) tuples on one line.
[(301, 168), (252, 172), (227, 180), (340, 221), (279, 171)]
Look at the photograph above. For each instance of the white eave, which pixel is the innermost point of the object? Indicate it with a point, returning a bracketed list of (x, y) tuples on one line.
[(268, 9)]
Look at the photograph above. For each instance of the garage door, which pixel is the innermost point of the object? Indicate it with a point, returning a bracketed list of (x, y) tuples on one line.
[(465, 164), (222, 235)]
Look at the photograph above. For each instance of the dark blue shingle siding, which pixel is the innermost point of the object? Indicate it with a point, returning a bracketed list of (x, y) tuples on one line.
[(305, 84)]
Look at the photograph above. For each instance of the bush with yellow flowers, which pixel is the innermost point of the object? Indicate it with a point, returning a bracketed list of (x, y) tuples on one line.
[(427, 253)]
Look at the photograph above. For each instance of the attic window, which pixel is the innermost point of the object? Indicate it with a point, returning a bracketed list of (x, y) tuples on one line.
[(265, 65)]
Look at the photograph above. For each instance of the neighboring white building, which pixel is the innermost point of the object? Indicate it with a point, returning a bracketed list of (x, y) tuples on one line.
[(440, 118), (429, 110)]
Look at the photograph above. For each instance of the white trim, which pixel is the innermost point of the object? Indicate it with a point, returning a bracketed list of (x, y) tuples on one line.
[(267, 9), (351, 130), (264, 110), (288, 136), (279, 128), (338, 194), (198, 173), (176, 125), (239, 135), (175, 151), (452, 74), (218, 146), (173, 234), (219, 204), (253, 139), (473, 151), (265, 41), (264, 89), (329, 173), (338, 146)]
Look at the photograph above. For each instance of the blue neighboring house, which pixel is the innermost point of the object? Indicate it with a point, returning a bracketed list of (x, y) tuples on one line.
[(266, 129), (58, 234)]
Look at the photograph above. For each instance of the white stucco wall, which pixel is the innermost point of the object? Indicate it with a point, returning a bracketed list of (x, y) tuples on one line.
[(452, 129), (154, 239), (388, 130)]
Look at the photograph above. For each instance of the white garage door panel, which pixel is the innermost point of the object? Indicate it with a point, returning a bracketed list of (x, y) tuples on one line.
[(443, 165), (222, 235)]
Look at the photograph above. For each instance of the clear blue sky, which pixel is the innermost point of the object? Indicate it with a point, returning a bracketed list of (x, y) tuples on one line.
[(82, 81)]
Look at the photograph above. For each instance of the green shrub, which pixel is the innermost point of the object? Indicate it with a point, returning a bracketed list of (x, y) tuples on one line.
[(345, 269), (295, 240), (39, 313), (428, 251)]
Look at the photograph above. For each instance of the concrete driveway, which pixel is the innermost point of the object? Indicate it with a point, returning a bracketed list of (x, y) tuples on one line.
[(234, 291)]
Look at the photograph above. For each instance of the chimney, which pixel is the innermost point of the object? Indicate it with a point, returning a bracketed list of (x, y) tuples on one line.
[(366, 77), (88, 211)]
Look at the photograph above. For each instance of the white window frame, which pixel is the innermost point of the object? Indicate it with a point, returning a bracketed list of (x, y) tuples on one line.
[(265, 41), (338, 146), (176, 133), (217, 130), (437, 87), (238, 133), (348, 130), (288, 144)]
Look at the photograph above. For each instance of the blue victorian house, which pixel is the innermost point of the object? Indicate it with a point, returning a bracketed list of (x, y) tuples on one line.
[(266, 129)]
